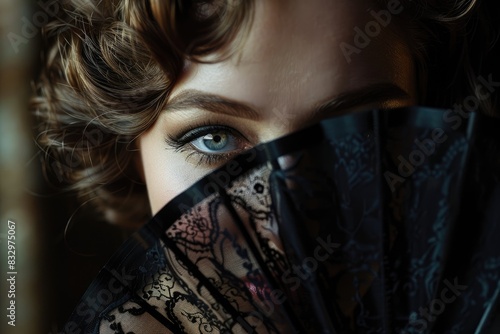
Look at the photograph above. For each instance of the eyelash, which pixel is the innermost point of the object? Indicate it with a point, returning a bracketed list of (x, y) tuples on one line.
[(182, 142)]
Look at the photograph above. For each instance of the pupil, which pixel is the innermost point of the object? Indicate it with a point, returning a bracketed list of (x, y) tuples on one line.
[(215, 141)]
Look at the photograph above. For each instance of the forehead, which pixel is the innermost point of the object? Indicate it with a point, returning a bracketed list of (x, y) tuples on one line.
[(295, 56)]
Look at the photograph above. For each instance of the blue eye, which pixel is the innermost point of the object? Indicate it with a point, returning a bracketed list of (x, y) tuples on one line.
[(216, 142), (211, 144)]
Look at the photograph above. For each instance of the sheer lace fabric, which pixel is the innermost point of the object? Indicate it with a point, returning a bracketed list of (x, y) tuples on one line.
[(375, 222)]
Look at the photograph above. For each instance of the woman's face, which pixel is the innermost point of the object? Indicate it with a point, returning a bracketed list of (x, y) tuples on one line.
[(291, 71)]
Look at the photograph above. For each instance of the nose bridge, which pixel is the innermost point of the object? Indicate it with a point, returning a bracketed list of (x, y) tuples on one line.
[(283, 121)]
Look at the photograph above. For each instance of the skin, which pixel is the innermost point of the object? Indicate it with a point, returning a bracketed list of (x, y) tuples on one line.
[(290, 63)]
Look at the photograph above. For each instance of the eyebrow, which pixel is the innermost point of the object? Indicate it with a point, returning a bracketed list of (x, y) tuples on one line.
[(195, 99), (380, 92)]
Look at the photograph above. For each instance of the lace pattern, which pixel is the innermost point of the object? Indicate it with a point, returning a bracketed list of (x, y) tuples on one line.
[(358, 224)]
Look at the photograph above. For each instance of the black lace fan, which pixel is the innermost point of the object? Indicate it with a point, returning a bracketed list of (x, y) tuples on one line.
[(386, 221)]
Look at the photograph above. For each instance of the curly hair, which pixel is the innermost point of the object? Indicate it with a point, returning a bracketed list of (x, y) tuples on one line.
[(109, 67)]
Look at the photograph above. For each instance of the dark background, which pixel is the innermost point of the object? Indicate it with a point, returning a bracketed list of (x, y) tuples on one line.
[(60, 247)]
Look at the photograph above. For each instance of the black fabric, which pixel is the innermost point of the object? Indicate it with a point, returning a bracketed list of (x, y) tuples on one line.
[(385, 221)]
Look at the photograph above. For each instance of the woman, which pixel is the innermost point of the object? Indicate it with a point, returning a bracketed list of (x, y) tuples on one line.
[(140, 99)]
